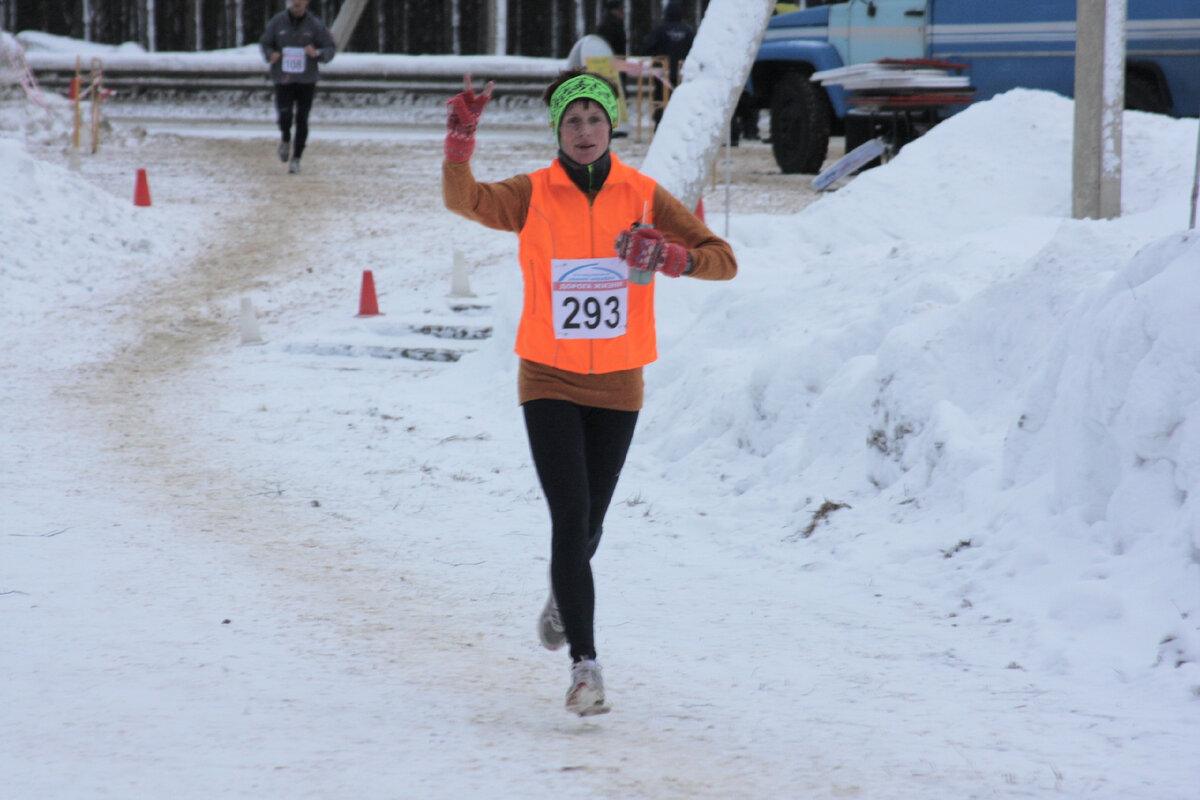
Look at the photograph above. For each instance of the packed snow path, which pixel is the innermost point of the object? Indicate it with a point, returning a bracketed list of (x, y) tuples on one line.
[(278, 592)]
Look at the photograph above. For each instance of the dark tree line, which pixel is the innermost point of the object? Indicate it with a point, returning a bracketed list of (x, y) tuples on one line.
[(540, 28)]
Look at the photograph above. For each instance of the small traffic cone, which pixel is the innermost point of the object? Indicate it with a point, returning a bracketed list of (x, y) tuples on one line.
[(368, 306), (141, 192), (249, 323), (700, 209), (460, 284)]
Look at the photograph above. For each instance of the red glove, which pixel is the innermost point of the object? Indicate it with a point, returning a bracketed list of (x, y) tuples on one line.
[(462, 115), (645, 248)]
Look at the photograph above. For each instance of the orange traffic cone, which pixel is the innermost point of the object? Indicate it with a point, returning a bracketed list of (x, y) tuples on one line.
[(700, 209), (368, 306), (141, 192)]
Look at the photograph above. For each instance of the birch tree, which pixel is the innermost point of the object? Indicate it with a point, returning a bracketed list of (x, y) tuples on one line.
[(455, 27), (696, 121)]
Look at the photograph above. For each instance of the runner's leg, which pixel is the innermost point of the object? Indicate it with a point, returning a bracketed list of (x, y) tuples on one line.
[(304, 101), (578, 453), (608, 434), (284, 97)]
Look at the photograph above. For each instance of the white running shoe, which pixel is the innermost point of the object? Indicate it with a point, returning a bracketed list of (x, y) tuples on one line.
[(586, 695), (294, 166), (550, 629), (285, 151)]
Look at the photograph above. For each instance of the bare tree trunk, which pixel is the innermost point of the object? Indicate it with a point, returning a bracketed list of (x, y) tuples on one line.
[(239, 27), (88, 34), (380, 28), (455, 28), (499, 18), (517, 26), (199, 22), (405, 41), (140, 28), (151, 27), (690, 133), (343, 25), (580, 28)]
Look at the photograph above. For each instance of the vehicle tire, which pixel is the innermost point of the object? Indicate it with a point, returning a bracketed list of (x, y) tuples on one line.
[(800, 123), (1143, 93)]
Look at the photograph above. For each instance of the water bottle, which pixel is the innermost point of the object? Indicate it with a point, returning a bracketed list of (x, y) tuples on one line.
[(640, 276)]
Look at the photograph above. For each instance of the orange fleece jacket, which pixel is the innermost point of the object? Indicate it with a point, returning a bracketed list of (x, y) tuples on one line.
[(504, 205)]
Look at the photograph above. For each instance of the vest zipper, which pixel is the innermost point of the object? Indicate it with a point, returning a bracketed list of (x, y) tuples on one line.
[(592, 240)]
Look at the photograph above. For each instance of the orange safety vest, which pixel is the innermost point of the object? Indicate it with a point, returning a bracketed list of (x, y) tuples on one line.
[(562, 224)]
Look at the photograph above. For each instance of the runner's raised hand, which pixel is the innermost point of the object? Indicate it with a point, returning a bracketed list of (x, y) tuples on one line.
[(462, 115)]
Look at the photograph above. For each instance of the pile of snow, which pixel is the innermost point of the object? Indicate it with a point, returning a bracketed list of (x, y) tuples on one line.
[(41, 42), (64, 239), (939, 347)]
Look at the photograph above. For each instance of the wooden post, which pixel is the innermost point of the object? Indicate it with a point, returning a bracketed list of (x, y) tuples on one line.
[(97, 90), (75, 87)]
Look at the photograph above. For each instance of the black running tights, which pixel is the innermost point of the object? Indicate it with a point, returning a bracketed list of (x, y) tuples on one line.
[(578, 452), (299, 95)]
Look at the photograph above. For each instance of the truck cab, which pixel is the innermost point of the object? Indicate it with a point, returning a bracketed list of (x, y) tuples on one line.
[(1002, 45)]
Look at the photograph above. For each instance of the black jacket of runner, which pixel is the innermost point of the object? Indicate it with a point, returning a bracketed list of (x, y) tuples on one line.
[(672, 38), (284, 30)]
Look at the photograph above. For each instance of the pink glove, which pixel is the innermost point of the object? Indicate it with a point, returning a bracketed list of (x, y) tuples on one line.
[(645, 248), (462, 115)]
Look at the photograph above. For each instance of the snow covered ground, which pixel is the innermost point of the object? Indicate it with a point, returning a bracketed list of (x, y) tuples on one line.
[(912, 510)]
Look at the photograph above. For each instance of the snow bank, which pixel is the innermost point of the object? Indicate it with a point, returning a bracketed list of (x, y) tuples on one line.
[(58, 220), (939, 335)]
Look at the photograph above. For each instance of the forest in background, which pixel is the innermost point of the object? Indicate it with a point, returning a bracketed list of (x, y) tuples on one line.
[(538, 28)]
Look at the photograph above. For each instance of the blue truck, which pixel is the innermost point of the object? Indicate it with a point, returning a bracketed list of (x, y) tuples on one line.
[(1001, 45)]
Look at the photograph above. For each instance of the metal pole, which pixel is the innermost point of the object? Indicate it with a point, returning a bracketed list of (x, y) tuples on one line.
[(728, 171), (1196, 178)]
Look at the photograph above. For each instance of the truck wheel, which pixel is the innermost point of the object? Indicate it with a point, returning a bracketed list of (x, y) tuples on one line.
[(799, 125), (1143, 93)]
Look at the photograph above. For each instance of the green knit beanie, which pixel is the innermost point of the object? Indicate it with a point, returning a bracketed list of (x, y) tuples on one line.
[(583, 86)]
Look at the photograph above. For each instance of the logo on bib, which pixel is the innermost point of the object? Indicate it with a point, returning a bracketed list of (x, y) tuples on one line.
[(594, 276)]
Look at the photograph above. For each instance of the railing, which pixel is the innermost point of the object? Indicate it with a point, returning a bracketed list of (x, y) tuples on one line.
[(243, 70)]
